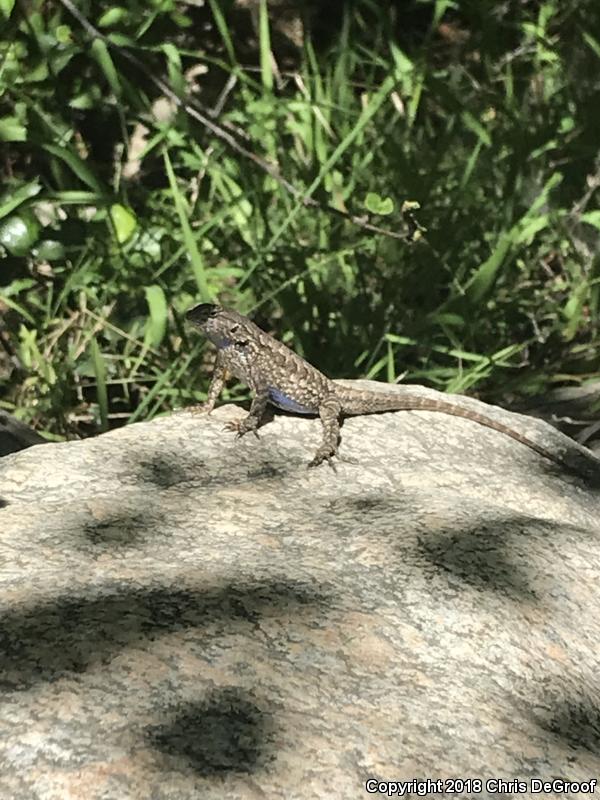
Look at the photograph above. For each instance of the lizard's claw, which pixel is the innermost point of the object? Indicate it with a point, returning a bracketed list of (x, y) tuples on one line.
[(317, 462), (238, 427), (323, 454)]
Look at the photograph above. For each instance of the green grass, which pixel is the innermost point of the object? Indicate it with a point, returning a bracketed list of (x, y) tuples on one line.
[(480, 119)]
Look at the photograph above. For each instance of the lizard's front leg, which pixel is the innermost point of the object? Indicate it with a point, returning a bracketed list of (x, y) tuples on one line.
[(255, 416), (330, 411), (217, 381)]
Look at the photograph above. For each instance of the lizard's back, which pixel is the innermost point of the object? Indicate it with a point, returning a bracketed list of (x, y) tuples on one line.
[(260, 361)]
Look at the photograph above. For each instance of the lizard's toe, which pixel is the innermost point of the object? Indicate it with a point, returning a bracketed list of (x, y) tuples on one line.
[(233, 426), (240, 427), (323, 454)]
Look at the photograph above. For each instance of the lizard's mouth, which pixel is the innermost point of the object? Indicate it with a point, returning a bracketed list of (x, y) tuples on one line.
[(199, 315)]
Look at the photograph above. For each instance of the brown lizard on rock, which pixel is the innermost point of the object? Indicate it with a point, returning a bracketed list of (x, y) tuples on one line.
[(277, 375)]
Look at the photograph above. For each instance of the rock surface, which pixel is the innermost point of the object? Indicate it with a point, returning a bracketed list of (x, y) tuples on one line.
[(186, 615)]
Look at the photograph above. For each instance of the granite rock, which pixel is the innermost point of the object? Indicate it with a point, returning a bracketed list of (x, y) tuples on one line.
[(187, 615)]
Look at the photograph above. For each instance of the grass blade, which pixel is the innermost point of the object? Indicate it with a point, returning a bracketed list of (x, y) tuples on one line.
[(266, 58), (188, 237), (100, 373), (367, 114)]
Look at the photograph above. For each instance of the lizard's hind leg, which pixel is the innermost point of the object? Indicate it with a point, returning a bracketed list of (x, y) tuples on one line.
[(330, 412)]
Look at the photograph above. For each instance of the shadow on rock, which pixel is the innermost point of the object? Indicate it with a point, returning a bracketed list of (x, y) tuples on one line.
[(118, 531), (70, 634), (225, 733), (227, 469), (575, 721), (480, 556)]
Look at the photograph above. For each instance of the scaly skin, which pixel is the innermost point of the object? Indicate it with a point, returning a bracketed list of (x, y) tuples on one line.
[(276, 375)]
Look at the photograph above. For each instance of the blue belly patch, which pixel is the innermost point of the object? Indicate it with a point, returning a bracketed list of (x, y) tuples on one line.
[(281, 400)]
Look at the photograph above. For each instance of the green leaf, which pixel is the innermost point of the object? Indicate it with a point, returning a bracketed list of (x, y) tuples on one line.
[(121, 40), (113, 16), (476, 127), (403, 64), (542, 198), (17, 307), (63, 34), (148, 242), (530, 227), (124, 221), (368, 112), (592, 218), (102, 56), (573, 310), (223, 28), (594, 44), (12, 130), (471, 163), (521, 232), (76, 197), (77, 165), (84, 100), (485, 275), (10, 202), (188, 236), (49, 250), (449, 318), (393, 337), (379, 205), (176, 78), (182, 20), (566, 124), (266, 63), (157, 322), (34, 359), (17, 286), (6, 7), (440, 8), (100, 373), (19, 233)]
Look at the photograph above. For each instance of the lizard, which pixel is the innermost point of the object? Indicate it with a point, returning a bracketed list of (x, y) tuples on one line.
[(278, 376)]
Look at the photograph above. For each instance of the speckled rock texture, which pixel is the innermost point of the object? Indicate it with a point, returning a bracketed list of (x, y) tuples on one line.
[(187, 615)]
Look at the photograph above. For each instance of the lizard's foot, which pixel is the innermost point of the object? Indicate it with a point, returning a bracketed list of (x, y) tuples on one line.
[(324, 453), (200, 408), (242, 426)]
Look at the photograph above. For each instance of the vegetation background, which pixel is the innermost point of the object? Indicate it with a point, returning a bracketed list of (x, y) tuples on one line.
[(119, 210)]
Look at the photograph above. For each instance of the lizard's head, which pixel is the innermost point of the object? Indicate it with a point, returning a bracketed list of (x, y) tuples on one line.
[(221, 326), (201, 315)]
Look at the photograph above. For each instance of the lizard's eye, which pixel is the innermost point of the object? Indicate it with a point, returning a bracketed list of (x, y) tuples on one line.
[(234, 328)]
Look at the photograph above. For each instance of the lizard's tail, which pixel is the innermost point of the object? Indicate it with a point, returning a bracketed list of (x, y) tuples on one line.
[(355, 402)]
